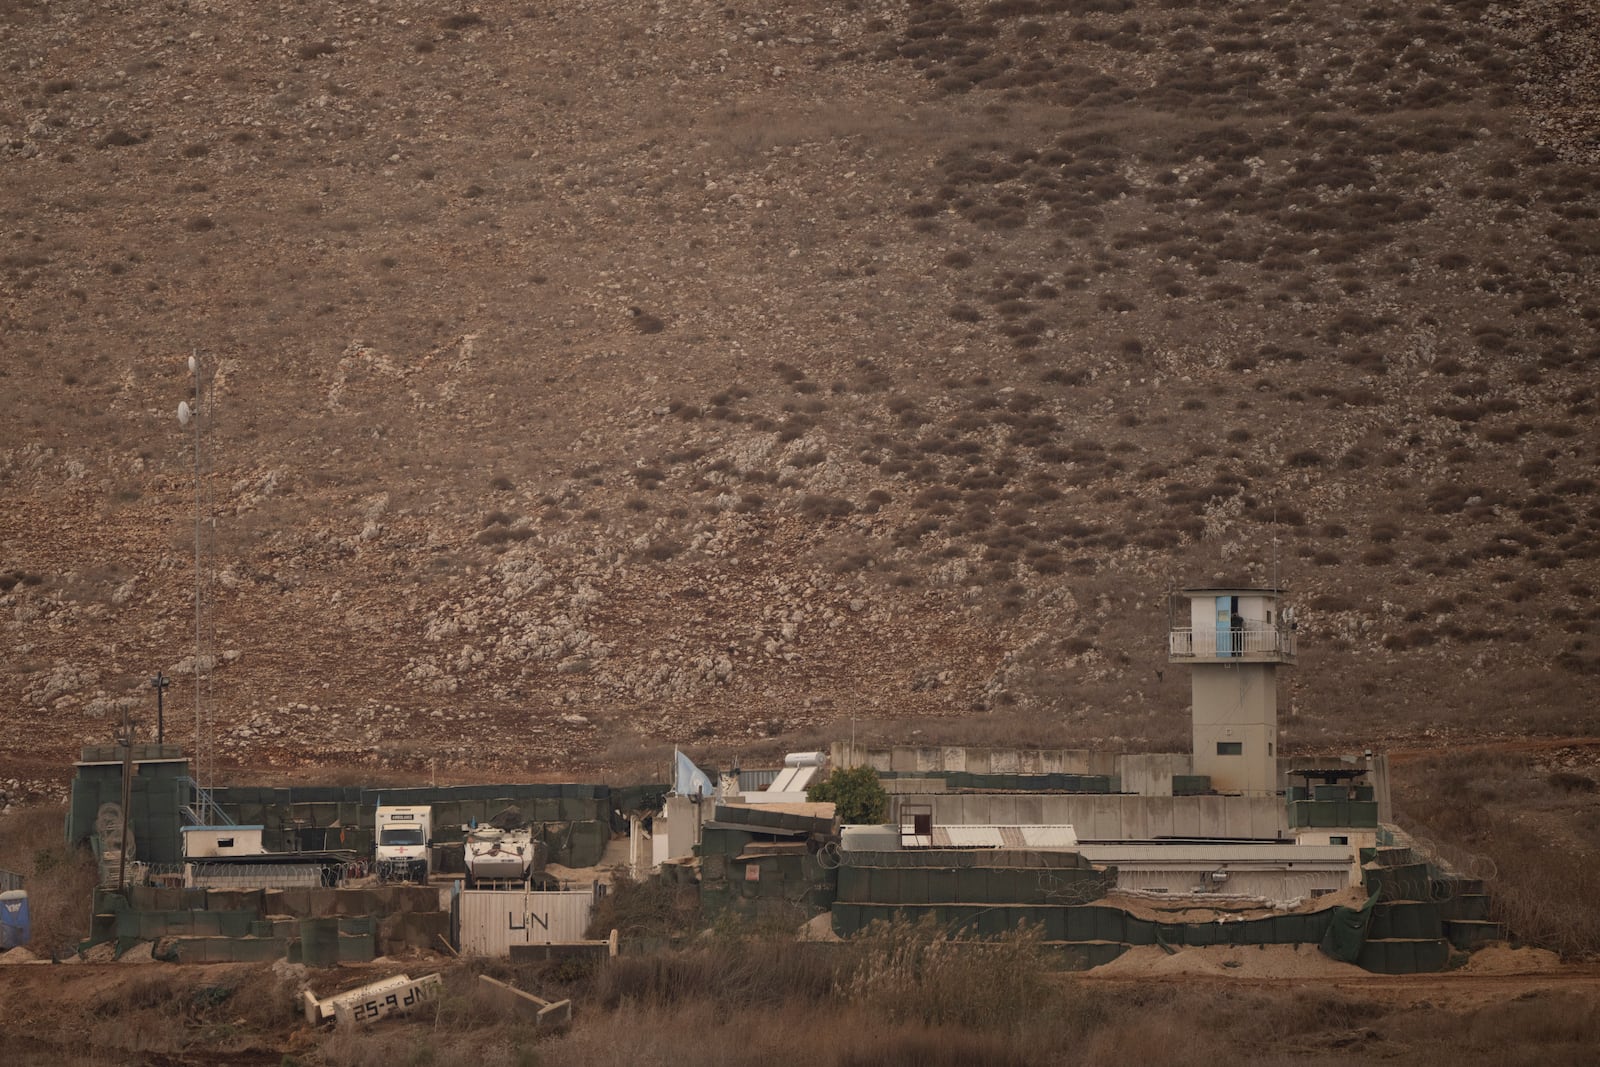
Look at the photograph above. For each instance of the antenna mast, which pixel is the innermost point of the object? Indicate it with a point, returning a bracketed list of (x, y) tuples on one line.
[(203, 541)]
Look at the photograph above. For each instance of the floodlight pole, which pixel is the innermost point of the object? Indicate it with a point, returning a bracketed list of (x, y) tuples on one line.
[(199, 381)]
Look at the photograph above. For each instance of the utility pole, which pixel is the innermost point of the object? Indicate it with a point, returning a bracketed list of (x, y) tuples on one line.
[(127, 799), (159, 683)]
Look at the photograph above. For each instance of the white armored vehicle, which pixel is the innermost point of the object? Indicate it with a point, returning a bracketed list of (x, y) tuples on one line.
[(502, 853)]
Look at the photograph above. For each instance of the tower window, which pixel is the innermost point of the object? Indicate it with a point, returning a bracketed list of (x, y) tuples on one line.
[(1230, 748)]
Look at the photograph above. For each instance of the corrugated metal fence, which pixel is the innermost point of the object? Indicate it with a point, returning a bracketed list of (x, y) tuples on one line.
[(494, 920)]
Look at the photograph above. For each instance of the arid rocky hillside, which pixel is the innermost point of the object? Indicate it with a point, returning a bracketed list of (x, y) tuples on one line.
[(593, 377)]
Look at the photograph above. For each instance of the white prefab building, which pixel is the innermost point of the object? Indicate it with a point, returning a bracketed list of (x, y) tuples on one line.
[(206, 842)]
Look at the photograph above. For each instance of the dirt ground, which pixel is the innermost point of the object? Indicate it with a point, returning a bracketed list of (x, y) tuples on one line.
[(163, 1013)]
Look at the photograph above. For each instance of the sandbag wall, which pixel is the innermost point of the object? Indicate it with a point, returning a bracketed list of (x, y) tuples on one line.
[(319, 927), (575, 820)]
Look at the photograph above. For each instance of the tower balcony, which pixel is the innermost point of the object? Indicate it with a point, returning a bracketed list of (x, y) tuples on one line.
[(1248, 644)]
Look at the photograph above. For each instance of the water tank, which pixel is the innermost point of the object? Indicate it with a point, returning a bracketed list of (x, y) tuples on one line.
[(14, 927), (870, 838)]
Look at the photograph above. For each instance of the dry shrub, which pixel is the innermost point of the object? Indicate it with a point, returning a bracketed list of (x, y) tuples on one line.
[(1485, 812), (650, 907), (735, 974), (1543, 894), (1156, 1040), (933, 1048), (919, 972), (60, 882), (1536, 1028)]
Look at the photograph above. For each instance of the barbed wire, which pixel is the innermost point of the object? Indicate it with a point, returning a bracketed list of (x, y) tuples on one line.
[(1427, 848), (1057, 890), (325, 874)]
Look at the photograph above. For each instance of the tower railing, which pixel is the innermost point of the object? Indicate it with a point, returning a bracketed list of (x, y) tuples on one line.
[(1227, 643), (203, 808)]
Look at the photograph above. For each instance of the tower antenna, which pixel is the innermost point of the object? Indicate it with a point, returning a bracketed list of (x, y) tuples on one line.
[(203, 540)]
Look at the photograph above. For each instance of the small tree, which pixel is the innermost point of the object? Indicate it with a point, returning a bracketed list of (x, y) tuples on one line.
[(855, 795)]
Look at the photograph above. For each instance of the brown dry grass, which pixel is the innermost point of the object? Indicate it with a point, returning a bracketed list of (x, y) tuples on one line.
[(746, 1002), (59, 882), (1517, 820)]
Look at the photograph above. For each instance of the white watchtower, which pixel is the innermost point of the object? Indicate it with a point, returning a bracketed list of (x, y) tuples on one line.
[(1234, 639)]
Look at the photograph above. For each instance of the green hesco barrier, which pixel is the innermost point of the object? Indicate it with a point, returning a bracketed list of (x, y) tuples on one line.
[(1471, 906), (589, 843), (357, 948), (1347, 930), (716, 841), (229, 949), (1092, 922), (941, 885), (1409, 881), (1405, 957), (972, 884), (1405, 920), (319, 942)]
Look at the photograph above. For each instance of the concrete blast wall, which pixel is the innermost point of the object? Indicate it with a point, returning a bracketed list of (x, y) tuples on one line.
[(1143, 772), (1112, 817)]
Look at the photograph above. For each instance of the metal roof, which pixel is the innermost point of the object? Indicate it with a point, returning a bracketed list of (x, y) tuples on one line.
[(1041, 836)]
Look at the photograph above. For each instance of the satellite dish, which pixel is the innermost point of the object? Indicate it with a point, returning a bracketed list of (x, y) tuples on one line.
[(185, 413), (194, 365)]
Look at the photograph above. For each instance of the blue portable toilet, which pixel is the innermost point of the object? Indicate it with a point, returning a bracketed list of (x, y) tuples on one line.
[(14, 930)]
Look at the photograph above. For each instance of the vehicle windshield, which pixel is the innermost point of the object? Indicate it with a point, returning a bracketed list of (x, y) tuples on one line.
[(401, 835)]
